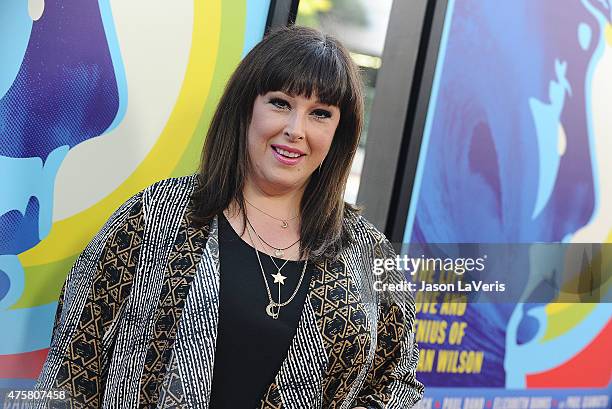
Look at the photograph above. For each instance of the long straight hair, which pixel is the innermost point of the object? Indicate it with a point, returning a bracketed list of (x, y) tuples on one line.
[(298, 61)]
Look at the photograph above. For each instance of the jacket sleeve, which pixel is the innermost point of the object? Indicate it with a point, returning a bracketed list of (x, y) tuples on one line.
[(391, 382), (89, 307)]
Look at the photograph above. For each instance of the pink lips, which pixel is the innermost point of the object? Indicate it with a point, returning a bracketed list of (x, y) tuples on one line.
[(288, 149), (285, 160)]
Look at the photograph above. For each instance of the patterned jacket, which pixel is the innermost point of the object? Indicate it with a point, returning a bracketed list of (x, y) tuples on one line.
[(137, 318)]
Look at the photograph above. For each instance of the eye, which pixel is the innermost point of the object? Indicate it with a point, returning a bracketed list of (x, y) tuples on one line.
[(321, 113), (279, 103)]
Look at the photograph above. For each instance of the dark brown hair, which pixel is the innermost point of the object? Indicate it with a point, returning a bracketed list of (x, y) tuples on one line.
[(298, 61)]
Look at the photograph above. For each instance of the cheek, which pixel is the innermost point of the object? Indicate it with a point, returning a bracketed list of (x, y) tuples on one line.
[(256, 131), (255, 148), (264, 125), (323, 143), (258, 135)]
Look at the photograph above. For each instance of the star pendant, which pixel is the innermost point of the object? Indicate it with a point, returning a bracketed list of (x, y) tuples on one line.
[(279, 278)]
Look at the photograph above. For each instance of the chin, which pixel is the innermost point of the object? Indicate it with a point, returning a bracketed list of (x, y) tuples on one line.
[(284, 184)]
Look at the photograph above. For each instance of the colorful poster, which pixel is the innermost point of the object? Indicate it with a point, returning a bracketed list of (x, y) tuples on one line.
[(516, 149), (98, 99)]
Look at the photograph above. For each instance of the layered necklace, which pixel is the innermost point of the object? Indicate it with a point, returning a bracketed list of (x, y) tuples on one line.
[(273, 308), (278, 251)]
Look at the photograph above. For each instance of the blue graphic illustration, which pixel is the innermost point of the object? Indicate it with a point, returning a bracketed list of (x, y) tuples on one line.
[(507, 154), (66, 86)]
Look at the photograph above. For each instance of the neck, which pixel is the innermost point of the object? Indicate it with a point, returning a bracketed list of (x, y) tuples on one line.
[(284, 205)]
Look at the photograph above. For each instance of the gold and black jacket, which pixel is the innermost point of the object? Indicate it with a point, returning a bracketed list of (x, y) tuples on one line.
[(137, 319)]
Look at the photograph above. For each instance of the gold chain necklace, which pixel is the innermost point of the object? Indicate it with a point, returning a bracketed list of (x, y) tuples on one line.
[(278, 251), (273, 308), (284, 223), (261, 241)]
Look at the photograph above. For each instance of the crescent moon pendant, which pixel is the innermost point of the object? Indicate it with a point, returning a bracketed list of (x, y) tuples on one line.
[(270, 311)]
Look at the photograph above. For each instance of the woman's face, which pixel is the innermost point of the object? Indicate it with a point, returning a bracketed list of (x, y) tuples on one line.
[(288, 137)]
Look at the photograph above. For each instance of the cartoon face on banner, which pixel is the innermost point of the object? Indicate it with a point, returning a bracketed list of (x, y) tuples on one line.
[(515, 150), (96, 102)]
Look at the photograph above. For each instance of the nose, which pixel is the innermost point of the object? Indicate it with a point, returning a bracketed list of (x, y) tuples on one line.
[(295, 128)]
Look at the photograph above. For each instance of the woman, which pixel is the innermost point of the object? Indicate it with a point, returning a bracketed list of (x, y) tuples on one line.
[(249, 284)]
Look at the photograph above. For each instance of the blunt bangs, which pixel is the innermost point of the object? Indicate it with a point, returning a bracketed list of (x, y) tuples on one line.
[(311, 68)]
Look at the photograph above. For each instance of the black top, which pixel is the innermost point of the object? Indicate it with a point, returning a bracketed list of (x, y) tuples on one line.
[(251, 345)]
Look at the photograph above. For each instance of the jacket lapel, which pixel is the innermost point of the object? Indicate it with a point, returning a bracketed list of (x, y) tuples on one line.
[(337, 322), (300, 377), (189, 379)]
